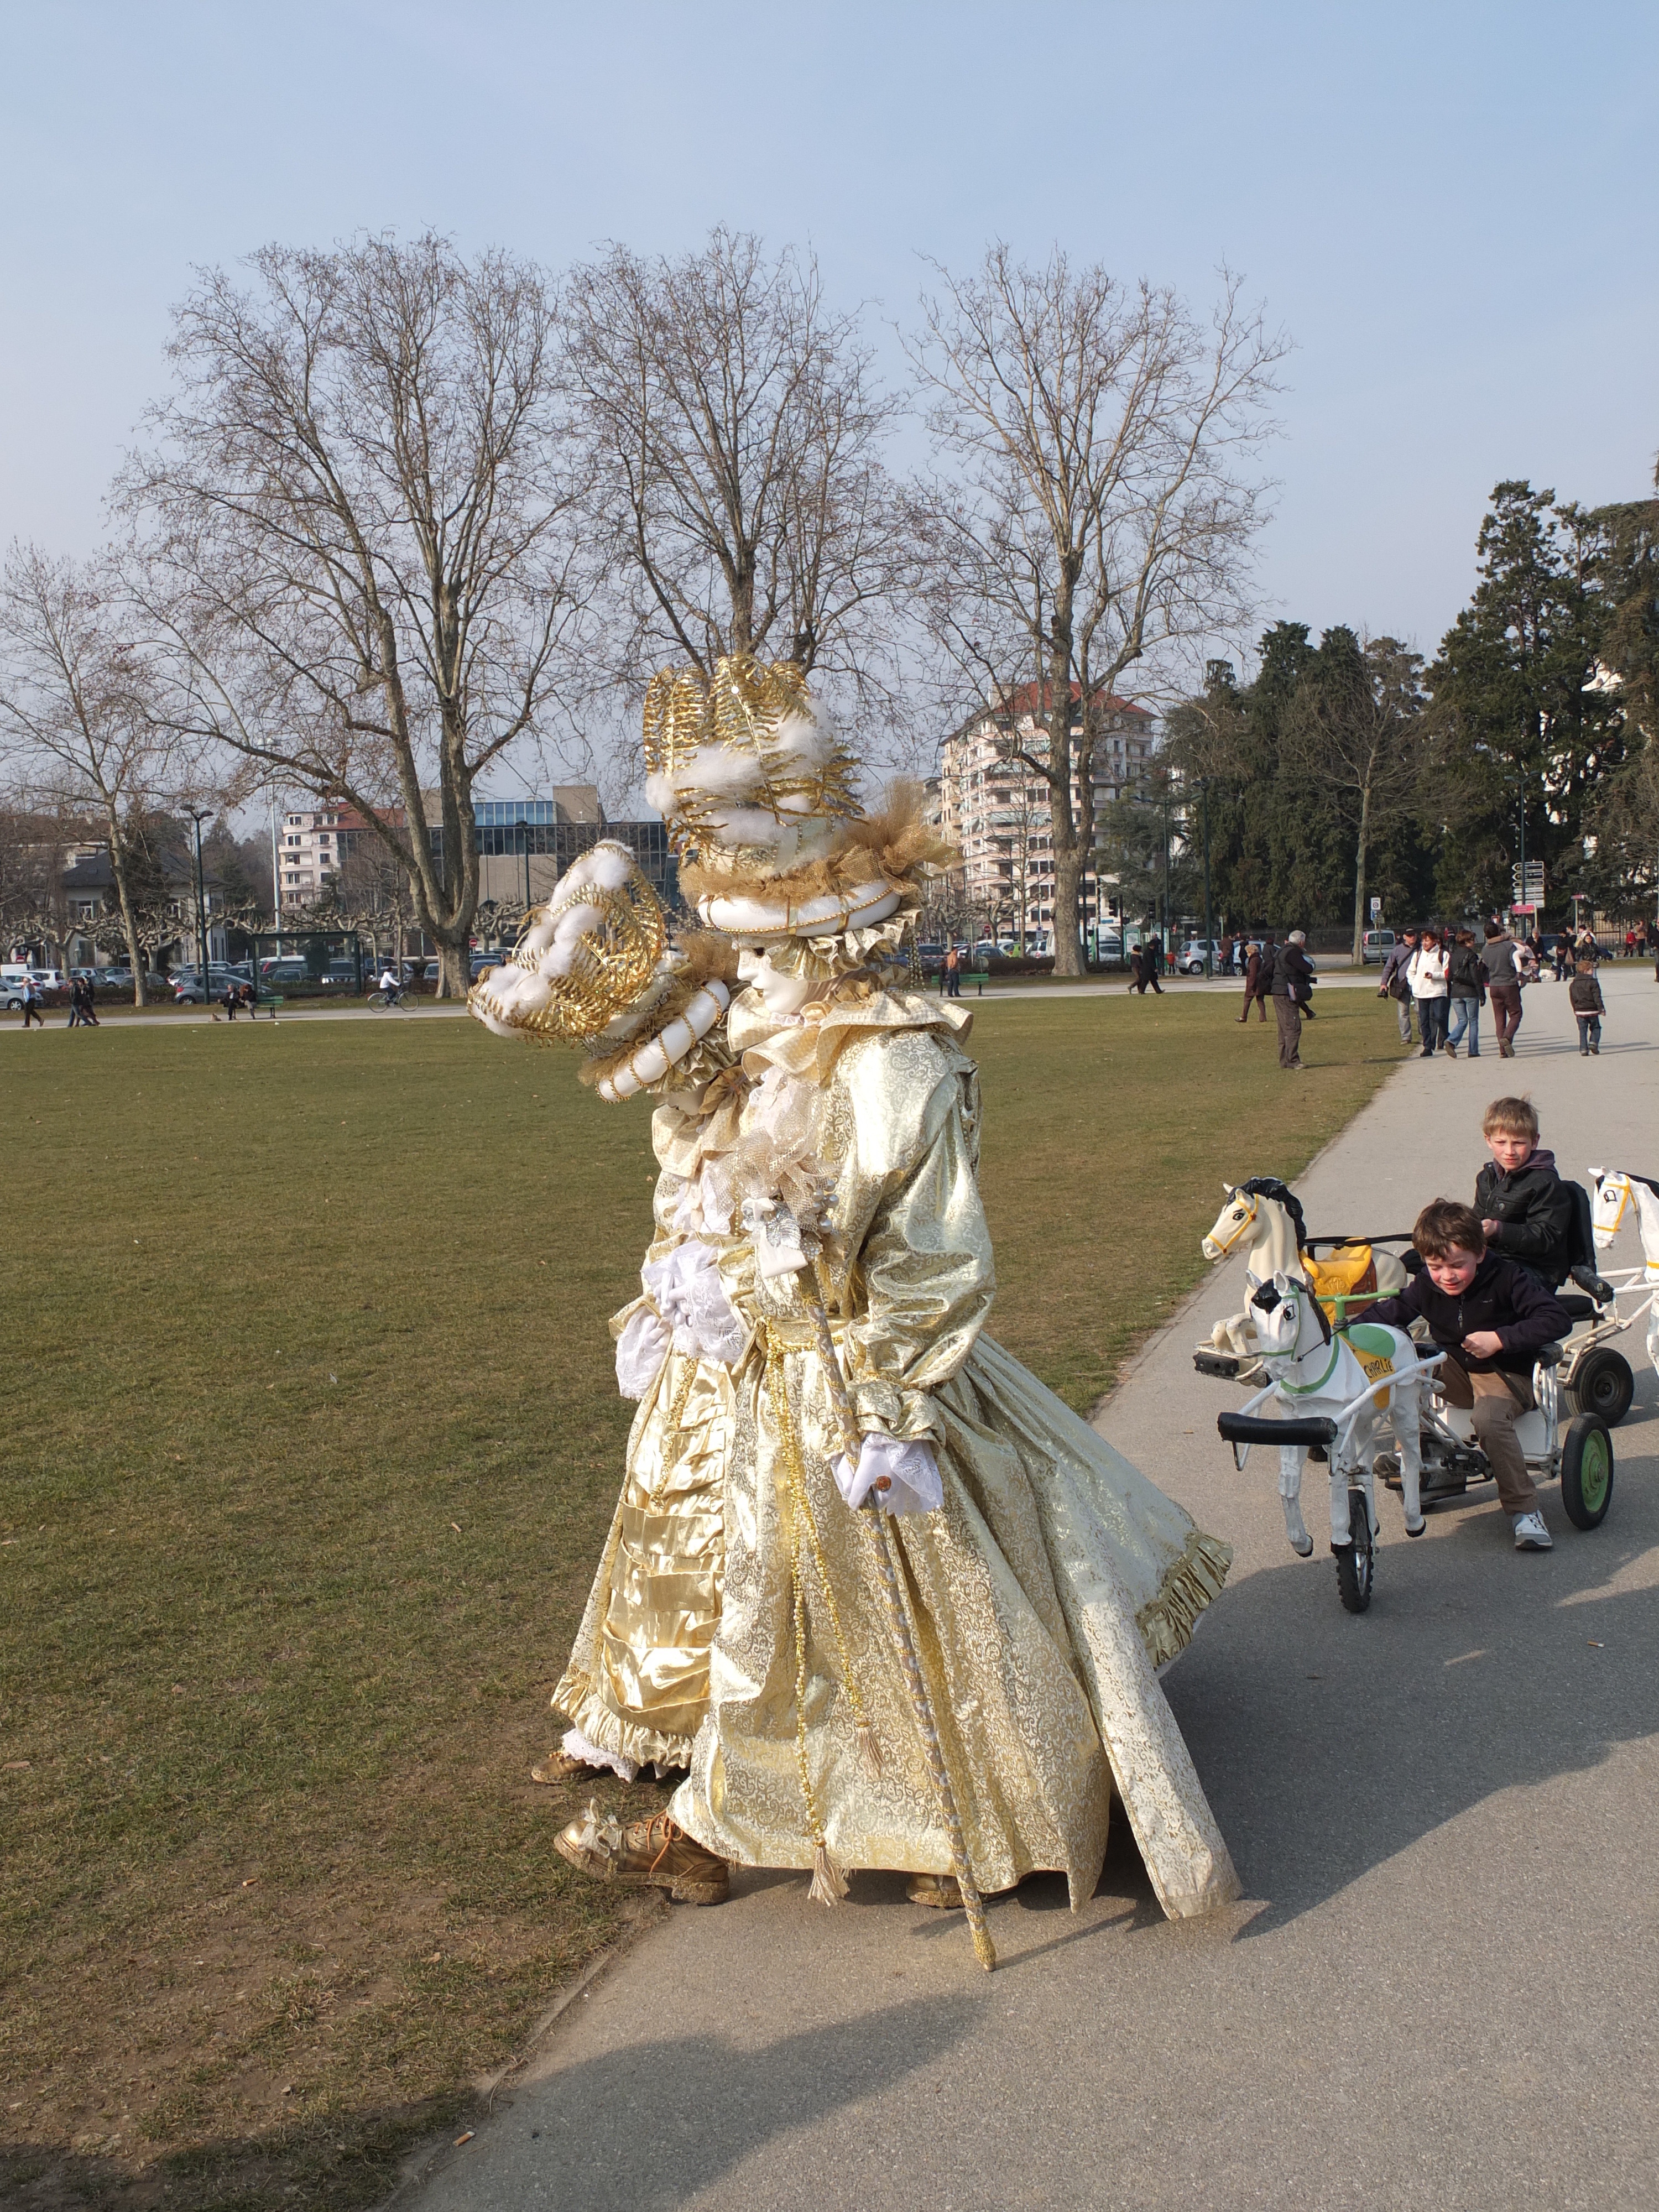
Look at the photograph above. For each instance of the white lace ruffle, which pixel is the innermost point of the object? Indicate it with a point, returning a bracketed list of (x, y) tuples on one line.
[(689, 1313), (915, 1484), (574, 1745)]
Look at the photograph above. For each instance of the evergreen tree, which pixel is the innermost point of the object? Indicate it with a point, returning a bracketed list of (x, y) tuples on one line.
[(1523, 731)]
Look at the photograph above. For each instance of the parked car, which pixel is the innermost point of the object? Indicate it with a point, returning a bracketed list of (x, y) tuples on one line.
[(187, 984), (49, 979), (284, 968), (120, 978), (480, 961), (1374, 947), (1191, 959), (421, 971)]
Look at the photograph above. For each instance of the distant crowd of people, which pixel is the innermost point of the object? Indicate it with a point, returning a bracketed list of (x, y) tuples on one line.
[(1443, 978)]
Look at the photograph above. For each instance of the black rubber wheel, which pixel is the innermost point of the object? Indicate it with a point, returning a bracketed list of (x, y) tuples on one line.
[(1356, 1562), (1604, 1385), (1586, 1471)]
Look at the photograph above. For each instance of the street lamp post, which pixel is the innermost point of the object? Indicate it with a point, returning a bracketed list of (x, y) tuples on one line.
[(1209, 958)]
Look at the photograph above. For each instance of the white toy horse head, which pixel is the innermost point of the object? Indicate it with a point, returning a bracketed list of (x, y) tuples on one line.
[(1622, 1197), (1287, 1317), (1261, 1211)]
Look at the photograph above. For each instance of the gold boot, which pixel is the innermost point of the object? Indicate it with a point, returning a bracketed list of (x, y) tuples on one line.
[(654, 1854), (936, 1889), (559, 1766)]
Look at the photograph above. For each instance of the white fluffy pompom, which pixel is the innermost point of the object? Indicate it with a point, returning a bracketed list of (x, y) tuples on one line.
[(805, 741)]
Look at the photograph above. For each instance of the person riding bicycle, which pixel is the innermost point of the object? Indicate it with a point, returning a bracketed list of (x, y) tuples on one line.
[(388, 987)]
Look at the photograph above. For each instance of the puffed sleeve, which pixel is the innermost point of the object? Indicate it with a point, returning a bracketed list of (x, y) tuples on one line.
[(923, 1281)]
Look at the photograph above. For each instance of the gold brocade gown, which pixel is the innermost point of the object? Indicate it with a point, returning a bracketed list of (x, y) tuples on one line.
[(1044, 1594)]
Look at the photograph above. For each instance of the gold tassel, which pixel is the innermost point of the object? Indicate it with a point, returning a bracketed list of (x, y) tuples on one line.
[(869, 1749), (828, 1883)]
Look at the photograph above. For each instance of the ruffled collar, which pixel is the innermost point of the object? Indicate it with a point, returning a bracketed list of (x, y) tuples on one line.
[(808, 1043)]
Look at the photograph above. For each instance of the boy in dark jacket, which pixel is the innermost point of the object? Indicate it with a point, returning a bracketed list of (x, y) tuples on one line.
[(1524, 1208), (1491, 1318), (1584, 997)]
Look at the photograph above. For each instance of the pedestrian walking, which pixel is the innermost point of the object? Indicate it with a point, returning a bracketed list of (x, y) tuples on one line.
[(1428, 979), (1503, 986), (1144, 970), (74, 1021), (1466, 988), (1227, 955), (1291, 969), (1584, 997), (1393, 983), (33, 1004), (953, 973), (1259, 978)]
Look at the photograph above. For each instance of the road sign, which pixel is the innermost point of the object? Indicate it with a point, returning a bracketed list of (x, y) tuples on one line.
[(1376, 907), (1532, 887)]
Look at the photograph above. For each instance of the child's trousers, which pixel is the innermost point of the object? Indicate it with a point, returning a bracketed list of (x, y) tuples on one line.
[(1589, 1033), (1497, 1401)]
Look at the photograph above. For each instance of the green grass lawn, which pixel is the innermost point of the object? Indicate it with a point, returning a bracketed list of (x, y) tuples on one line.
[(310, 1440)]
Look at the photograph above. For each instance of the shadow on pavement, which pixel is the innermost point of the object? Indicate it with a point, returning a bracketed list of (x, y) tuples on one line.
[(652, 2125), (1330, 1742)]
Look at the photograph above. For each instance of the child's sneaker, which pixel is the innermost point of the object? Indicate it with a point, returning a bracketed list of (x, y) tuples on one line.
[(1531, 1534)]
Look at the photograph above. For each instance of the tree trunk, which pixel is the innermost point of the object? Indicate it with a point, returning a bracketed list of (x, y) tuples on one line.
[(118, 868), (1069, 877), (1359, 876), (454, 968), (1068, 943)]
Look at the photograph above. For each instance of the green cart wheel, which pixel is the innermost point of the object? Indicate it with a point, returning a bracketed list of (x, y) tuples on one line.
[(1586, 1471)]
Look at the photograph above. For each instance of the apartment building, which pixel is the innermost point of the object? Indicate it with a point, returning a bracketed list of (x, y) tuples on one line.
[(994, 807), (312, 846), (524, 844)]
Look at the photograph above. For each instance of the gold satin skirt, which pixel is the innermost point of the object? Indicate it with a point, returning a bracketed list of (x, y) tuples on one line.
[(1042, 1596), (637, 1680)]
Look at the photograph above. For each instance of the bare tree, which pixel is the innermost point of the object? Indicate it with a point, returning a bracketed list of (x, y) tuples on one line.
[(359, 539), (1097, 513), (1355, 723), (77, 708), (735, 433)]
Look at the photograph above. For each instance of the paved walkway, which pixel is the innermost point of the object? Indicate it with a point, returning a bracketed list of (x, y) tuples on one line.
[(1440, 1990)]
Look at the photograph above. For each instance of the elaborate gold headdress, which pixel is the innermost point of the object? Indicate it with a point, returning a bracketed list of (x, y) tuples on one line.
[(759, 796), (595, 968)]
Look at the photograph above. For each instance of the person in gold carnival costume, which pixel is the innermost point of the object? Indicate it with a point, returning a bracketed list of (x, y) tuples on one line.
[(594, 968), (943, 1599)]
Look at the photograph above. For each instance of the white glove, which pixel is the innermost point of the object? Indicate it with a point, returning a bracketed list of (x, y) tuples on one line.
[(913, 1483)]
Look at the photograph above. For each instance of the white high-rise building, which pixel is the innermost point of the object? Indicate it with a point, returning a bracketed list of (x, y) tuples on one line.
[(994, 808)]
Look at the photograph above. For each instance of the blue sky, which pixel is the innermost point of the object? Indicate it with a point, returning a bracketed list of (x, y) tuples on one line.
[(1452, 209)]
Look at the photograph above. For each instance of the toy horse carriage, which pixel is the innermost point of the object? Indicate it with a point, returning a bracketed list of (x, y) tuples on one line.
[(1333, 1379), (1263, 1217)]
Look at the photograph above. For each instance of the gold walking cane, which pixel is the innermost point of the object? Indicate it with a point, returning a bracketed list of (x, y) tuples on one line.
[(782, 1228)]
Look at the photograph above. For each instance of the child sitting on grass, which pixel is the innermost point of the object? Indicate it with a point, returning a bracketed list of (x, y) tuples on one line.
[(1491, 1318), (1584, 996), (1524, 1208)]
